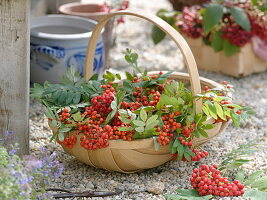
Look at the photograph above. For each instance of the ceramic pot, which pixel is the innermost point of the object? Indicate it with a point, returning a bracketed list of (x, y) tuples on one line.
[(92, 11), (57, 43)]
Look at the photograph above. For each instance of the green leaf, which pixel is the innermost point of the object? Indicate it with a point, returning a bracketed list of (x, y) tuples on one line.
[(206, 110), (129, 76), (140, 129), (217, 41), (229, 48), (208, 126), (254, 194), (61, 136), (203, 133), (253, 177), (236, 118), (240, 17), (94, 77), (185, 194), (260, 183), (180, 150), (54, 123), (240, 176), (139, 123), (212, 109), (156, 144), (212, 16), (125, 120), (127, 86), (78, 117), (219, 111), (143, 115), (125, 128), (157, 34), (110, 116), (176, 142), (113, 105), (64, 130)]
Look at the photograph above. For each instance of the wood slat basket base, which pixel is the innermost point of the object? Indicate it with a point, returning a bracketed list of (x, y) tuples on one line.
[(137, 155), (240, 64)]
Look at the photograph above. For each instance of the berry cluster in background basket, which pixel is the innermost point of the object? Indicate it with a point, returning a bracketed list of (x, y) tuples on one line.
[(92, 113), (225, 26)]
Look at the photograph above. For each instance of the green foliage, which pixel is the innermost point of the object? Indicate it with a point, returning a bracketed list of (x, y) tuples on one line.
[(186, 194), (238, 157), (157, 34), (255, 194), (217, 41), (212, 15), (229, 48), (240, 17)]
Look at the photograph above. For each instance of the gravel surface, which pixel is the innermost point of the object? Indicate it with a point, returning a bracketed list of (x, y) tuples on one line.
[(153, 183)]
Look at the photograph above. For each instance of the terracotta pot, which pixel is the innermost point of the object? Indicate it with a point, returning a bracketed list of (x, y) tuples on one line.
[(92, 11)]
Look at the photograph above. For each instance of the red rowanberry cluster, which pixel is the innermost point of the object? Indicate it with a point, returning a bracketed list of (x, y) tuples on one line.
[(208, 181), (69, 142), (235, 34)]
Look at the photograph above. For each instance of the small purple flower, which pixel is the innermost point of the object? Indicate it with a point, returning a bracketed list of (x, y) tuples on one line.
[(12, 152), (9, 134)]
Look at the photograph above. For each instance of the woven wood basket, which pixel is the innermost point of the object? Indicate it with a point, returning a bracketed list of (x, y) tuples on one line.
[(133, 156), (242, 63)]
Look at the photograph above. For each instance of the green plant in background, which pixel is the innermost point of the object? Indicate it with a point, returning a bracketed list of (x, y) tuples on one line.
[(224, 25)]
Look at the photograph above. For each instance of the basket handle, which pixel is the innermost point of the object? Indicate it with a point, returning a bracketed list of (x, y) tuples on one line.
[(164, 26)]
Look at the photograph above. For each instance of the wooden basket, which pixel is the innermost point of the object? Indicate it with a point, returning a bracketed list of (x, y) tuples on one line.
[(242, 63), (132, 156)]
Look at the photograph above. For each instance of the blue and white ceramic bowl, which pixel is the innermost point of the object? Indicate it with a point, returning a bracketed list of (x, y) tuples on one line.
[(57, 43)]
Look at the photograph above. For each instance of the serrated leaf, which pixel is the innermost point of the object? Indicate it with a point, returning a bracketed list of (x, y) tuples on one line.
[(140, 129), (260, 183), (254, 194), (139, 123), (213, 14), (156, 144), (208, 126), (113, 105), (190, 152), (240, 17), (53, 123), (219, 111), (127, 86), (143, 115), (125, 120), (217, 41), (253, 177), (110, 116), (203, 133), (61, 136), (206, 110), (236, 118), (125, 128), (64, 130), (78, 117), (129, 76), (240, 176), (212, 109), (176, 142), (180, 150)]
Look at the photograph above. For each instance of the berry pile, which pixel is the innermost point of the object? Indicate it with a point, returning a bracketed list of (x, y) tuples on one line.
[(208, 181)]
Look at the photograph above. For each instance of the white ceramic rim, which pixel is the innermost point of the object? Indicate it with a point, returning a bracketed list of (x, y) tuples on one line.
[(34, 24)]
